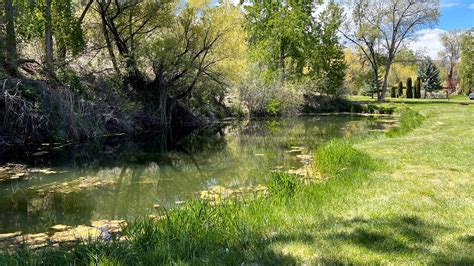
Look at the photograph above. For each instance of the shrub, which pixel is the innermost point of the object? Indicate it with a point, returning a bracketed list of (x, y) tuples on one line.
[(326, 104), (400, 89), (273, 107), (418, 88), (409, 88), (393, 92), (264, 98)]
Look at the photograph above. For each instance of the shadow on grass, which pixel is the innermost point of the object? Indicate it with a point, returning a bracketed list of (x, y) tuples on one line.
[(409, 236)]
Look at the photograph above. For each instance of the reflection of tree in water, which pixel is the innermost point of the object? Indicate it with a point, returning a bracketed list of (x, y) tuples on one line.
[(146, 165), (36, 213), (133, 174)]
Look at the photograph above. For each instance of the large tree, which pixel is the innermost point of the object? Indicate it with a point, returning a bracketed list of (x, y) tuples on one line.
[(167, 51), (467, 61), (381, 26), (450, 56), (326, 61), (278, 33)]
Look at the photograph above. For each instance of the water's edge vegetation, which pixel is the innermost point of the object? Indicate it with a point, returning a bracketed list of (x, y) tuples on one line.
[(232, 231)]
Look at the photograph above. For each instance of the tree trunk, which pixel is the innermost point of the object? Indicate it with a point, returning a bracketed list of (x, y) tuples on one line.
[(164, 118), (385, 79), (2, 42), (108, 43), (11, 55), (48, 35), (376, 83)]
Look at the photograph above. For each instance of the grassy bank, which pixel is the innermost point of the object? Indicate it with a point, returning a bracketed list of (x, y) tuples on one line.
[(401, 198)]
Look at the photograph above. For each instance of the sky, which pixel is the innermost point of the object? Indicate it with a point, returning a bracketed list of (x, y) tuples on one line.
[(455, 14)]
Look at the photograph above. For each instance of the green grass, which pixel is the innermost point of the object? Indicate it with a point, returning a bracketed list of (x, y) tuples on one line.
[(452, 99), (409, 120), (406, 198)]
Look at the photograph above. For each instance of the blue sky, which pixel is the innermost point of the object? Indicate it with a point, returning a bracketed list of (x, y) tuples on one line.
[(456, 14)]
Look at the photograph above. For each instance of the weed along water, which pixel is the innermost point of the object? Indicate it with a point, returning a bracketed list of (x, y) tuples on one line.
[(122, 177)]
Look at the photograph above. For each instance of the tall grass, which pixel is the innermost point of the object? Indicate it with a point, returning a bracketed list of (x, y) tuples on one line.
[(409, 120)]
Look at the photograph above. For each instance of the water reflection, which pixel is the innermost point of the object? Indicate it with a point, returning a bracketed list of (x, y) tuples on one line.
[(123, 177)]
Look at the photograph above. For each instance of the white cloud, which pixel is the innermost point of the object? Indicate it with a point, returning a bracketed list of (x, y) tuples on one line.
[(428, 42), (448, 4), (471, 6)]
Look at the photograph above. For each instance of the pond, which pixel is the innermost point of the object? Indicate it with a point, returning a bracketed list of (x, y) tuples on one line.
[(123, 177)]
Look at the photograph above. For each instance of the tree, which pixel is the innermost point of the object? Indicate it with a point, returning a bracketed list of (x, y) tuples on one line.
[(450, 55), (55, 24), (400, 89), (168, 55), (10, 48), (326, 58), (429, 76), (393, 92), (417, 88), (381, 26), (409, 88), (48, 34), (467, 61), (278, 33)]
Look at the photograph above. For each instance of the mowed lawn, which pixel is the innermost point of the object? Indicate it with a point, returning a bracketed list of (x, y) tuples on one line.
[(418, 209)]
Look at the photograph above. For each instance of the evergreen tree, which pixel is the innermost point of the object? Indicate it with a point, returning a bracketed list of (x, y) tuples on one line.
[(418, 88), (393, 92), (400, 89), (429, 75), (409, 88)]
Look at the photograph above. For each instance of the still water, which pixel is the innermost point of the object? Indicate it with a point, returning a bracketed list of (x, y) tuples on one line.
[(124, 177)]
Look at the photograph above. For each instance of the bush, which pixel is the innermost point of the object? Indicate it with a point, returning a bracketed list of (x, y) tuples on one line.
[(409, 88), (393, 92), (326, 104), (418, 88), (34, 111), (400, 89), (270, 99)]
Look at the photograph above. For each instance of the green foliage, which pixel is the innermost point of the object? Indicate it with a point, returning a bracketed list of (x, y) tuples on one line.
[(273, 107), (278, 35), (400, 89), (429, 75), (66, 28), (289, 43), (467, 61), (409, 119), (327, 66), (69, 78)]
